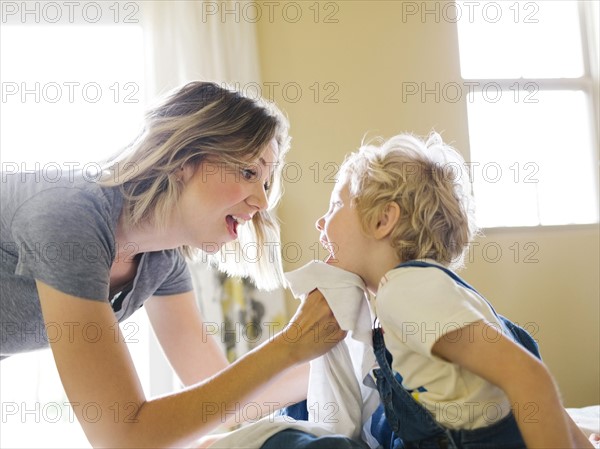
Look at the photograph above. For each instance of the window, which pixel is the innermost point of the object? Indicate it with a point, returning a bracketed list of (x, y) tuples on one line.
[(71, 95), (529, 70)]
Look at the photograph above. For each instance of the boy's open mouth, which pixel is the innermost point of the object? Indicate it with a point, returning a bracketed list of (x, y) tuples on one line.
[(328, 246)]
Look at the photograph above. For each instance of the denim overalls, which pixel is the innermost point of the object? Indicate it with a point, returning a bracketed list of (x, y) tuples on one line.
[(413, 426)]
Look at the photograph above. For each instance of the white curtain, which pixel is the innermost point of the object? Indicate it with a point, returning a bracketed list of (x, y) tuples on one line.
[(198, 40), (209, 41)]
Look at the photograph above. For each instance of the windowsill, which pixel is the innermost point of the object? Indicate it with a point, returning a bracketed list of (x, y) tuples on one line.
[(542, 228)]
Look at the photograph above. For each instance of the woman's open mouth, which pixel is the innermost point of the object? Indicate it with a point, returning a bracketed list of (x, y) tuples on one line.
[(233, 221)]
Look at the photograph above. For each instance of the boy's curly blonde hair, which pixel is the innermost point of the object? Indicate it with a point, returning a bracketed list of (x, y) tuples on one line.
[(429, 181)]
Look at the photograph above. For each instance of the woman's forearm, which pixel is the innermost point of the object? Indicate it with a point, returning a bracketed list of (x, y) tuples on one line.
[(180, 418)]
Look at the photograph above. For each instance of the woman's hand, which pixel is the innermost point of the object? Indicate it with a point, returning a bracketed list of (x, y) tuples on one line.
[(313, 330)]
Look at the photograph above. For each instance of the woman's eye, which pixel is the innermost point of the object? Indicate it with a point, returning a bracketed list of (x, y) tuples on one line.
[(248, 173)]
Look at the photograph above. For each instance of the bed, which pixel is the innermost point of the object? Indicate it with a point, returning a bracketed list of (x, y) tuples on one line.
[(587, 418)]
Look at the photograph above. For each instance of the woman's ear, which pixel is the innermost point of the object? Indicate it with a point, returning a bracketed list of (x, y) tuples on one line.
[(387, 220), (185, 172)]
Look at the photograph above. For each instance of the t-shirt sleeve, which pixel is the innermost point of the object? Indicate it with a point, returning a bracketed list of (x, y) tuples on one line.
[(179, 279), (420, 306), (65, 239)]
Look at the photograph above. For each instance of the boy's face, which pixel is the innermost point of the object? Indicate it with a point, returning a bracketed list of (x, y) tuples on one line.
[(341, 232)]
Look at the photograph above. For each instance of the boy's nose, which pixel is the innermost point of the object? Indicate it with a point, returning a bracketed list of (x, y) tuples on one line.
[(319, 223)]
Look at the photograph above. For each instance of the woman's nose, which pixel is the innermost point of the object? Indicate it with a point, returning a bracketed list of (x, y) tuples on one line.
[(258, 198)]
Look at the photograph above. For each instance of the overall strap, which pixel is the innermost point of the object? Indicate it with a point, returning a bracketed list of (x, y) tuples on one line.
[(520, 335)]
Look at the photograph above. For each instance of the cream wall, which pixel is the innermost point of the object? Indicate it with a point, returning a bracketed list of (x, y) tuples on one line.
[(366, 57)]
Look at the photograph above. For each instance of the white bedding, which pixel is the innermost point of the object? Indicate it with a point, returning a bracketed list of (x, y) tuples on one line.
[(587, 418)]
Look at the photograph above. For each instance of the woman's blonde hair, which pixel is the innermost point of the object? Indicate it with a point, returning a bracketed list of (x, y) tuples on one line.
[(197, 122), (429, 181)]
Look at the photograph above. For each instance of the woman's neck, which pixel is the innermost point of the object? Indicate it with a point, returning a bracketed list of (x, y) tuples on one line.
[(143, 238)]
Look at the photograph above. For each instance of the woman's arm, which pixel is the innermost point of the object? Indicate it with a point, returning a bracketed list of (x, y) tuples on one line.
[(482, 349), (185, 337), (191, 346), (105, 392)]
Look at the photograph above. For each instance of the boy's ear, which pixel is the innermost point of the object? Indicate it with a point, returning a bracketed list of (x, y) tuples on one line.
[(387, 220)]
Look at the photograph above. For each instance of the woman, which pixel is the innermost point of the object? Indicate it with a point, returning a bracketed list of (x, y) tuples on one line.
[(81, 254)]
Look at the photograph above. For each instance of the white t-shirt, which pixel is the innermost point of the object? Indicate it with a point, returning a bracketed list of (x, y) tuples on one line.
[(416, 306)]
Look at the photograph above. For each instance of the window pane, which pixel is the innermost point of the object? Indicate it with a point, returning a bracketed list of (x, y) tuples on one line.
[(35, 408), (69, 92), (532, 161), (519, 39)]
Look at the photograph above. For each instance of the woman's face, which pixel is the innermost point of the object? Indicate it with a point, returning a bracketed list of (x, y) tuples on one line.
[(217, 198)]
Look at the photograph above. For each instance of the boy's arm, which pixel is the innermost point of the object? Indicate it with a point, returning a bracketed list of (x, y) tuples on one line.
[(484, 351)]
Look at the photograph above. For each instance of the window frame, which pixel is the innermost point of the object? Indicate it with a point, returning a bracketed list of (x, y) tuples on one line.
[(587, 83)]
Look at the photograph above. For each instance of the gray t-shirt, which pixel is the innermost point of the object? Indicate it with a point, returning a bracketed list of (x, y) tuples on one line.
[(60, 229)]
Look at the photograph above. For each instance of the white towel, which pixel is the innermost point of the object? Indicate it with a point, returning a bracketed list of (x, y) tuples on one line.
[(341, 394), (341, 375)]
